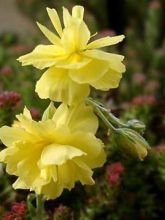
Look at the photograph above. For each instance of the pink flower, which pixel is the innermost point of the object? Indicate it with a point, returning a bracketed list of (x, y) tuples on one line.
[(114, 172), (35, 113), (18, 211), (9, 99), (19, 207)]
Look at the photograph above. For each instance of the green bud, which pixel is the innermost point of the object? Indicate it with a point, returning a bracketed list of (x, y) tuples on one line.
[(132, 142), (136, 125)]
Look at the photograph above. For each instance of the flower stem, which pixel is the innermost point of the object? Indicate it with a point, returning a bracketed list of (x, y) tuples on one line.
[(100, 112), (109, 116), (40, 207)]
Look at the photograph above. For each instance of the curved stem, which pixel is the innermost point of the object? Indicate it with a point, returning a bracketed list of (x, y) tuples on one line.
[(114, 120), (99, 110)]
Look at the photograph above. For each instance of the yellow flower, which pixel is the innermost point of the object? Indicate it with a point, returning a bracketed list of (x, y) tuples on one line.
[(73, 61), (52, 154)]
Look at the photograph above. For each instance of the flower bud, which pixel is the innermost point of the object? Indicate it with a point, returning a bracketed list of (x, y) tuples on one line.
[(136, 125), (132, 142)]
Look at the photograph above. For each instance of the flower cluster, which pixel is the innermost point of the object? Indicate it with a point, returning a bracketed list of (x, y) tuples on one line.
[(18, 211), (52, 154), (9, 99)]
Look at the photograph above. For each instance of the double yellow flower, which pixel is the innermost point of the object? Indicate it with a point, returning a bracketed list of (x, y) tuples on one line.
[(52, 154), (74, 62)]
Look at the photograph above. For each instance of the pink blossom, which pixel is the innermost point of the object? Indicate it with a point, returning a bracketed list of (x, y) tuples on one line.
[(114, 172)]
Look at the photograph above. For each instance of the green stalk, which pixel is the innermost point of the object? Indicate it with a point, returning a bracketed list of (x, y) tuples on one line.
[(109, 116), (99, 111), (40, 207)]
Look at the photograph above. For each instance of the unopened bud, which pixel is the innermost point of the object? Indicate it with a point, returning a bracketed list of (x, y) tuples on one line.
[(131, 141), (136, 125)]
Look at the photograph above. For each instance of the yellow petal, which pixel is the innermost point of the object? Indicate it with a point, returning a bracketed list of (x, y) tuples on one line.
[(27, 113), (78, 117), (74, 61), (67, 174), (84, 173), (20, 184), (66, 17), (49, 112), (56, 85), (81, 118), (49, 172), (29, 172), (55, 20), (55, 154), (4, 154), (10, 135), (105, 41), (78, 12), (113, 59), (89, 73), (50, 35), (43, 56), (52, 190), (61, 115), (92, 146), (110, 80), (75, 36)]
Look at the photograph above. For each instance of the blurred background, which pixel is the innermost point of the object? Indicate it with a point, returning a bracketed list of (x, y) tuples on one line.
[(125, 187)]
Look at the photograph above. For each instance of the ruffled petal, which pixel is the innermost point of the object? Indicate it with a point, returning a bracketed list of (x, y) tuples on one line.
[(115, 60), (56, 85), (55, 154), (110, 80), (89, 73), (104, 42), (43, 56), (50, 35), (67, 174), (10, 135), (84, 173), (52, 190), (55, 20), (92, 146)]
